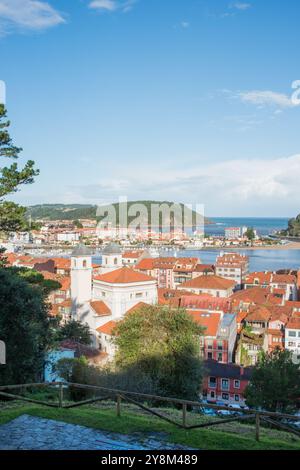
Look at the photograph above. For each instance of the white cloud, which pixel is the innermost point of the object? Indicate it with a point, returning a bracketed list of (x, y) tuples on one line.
[(266, 98), (112, 5), (240, 6), (27, 14), (232, 187), (185, 24)]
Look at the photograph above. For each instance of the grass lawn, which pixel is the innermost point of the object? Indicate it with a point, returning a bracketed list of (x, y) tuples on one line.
[(233, 436)]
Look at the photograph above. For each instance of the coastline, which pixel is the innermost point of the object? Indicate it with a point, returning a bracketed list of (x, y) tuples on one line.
[(288, 246)]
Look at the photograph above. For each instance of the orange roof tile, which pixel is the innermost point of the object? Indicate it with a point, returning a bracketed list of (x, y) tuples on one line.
[(209, 282), (107, 328), (123, 276), (293, 324), (100, 308), (209, 321), (259, 313), (145, 264)]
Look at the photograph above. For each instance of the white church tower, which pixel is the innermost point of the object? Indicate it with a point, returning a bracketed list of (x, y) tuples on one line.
[(111, 258), (81, 281)]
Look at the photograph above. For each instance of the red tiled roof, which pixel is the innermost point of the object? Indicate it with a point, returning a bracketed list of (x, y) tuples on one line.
[(284, 279), (293, 324), (107, 328), (100, 308), (145, 264), (209, 282), (255, 295), (206, 302), (261, 277), (209, 321), (259, 313), (124, 276), (202, 268)]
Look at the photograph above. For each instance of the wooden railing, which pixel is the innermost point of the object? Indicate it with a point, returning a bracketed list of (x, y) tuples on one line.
[(140, 399)]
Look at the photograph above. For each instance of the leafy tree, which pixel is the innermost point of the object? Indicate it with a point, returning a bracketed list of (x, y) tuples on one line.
[(164, 344), (25, 328), (275, 383), (12, 216), (36, 278), (250, 234), (75, 331), (77, 224)]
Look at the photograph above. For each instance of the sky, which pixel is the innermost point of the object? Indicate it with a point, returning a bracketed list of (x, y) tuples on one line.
[(183, 100)]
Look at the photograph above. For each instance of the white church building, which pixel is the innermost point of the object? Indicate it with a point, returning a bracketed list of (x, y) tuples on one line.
[(105, 299)]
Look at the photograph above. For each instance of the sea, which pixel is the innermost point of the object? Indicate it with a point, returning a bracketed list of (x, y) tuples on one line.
[(260, 260)]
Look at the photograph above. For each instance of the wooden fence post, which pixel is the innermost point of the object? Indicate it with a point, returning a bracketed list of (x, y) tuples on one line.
[(184, 414), (60, 395), (257, 426), (118, 405)]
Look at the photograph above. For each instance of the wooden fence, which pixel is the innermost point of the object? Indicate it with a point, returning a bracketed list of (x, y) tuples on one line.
[(142, 400)]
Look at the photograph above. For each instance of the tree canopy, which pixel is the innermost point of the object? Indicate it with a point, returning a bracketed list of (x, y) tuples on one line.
[(164, 344), (24, 327), (275, 382), (12, 216), (75, 331)]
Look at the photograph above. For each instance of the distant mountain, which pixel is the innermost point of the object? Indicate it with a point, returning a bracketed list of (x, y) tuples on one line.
[(88, 211)]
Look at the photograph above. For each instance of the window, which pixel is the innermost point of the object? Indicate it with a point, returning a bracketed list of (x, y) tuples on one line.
[(236, 384), (212, 382), (225, 396), (212, 394), (220, 357), (225, 384), (220, 345), (236, 398), (209, 355), (138, 295), (292, 334), (115, 261), (84, 263)]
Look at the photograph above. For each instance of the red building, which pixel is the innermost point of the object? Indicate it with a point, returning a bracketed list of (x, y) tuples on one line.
[(225, 384)]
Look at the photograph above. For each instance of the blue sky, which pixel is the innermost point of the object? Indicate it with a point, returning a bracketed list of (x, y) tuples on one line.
[(185, 100)]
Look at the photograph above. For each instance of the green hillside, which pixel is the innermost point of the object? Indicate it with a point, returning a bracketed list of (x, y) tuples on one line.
[(88, 211), (293, 229)]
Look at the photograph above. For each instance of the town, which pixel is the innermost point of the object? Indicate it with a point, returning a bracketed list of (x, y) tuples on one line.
[(242, 312)]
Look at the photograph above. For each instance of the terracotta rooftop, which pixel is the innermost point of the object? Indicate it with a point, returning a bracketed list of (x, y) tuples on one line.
[(107, 328), (123, 276), (209, 282), (100, 308), (209, 321), (259, 314)]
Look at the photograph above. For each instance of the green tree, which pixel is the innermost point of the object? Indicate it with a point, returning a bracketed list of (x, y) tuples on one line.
[(75, 331), (164, 344), (250, 234), (25, 328), (77, 224), (275, 383), (12, 216), (36, 278)]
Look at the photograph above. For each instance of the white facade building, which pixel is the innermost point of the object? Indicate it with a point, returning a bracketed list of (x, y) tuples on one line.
[(108, 297)]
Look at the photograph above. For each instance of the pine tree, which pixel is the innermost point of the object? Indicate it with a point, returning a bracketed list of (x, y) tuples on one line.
[(12, 216)]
